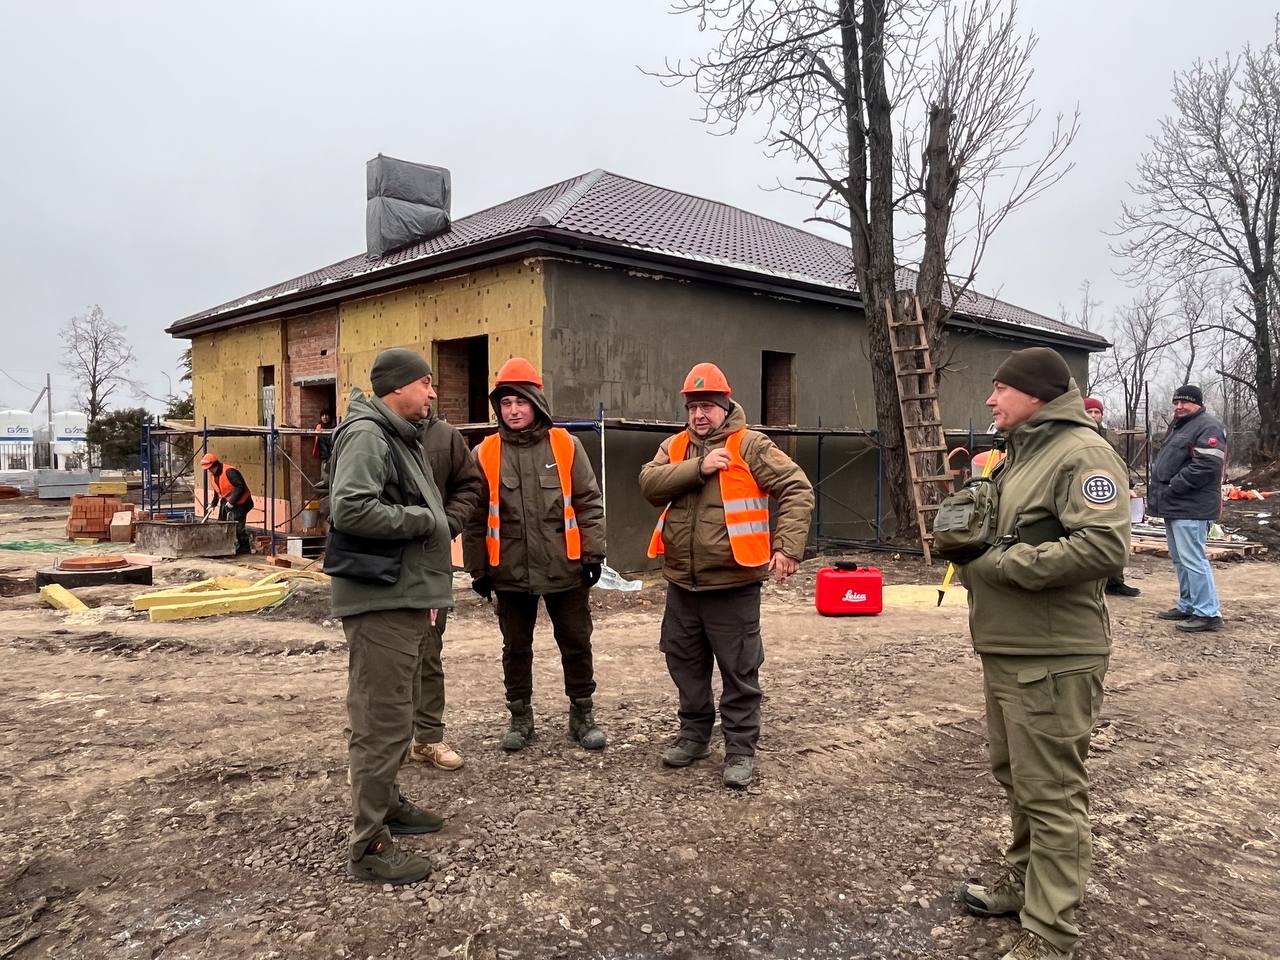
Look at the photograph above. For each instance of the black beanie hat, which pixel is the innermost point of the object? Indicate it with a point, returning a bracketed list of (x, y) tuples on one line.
[(394, 368), (1037, 371), (1189, 391)]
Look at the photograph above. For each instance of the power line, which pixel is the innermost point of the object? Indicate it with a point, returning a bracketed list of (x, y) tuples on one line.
[(20, 383)]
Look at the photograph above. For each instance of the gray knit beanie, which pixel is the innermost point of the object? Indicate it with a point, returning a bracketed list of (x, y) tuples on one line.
[(394, 368)]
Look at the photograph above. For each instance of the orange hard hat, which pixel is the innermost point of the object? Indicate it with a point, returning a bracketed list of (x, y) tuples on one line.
[(706, 378), (518, 370), (208, 460)]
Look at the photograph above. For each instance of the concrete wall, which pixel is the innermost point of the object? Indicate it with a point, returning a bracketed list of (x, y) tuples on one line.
[(627, 340), (971, 358)]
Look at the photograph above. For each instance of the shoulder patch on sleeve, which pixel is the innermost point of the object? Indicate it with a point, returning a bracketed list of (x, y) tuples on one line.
[(1099, 488)]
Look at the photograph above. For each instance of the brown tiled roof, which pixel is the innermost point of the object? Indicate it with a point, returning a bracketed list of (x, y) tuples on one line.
[(641, 218)]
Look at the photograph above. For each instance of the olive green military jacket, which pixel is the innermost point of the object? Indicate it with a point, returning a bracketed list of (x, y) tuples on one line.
[(380, 488), (1064, 523), (698, 555)]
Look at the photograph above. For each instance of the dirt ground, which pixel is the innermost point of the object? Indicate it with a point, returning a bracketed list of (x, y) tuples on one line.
[(178, 790)]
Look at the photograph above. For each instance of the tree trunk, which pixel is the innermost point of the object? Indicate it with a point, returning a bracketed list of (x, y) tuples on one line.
[(1268, 390)]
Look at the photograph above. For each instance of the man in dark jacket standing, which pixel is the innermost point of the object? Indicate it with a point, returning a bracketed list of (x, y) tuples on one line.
[(1039, 624), (383, 496), (539, 534), (714, 481), (1186, 491), (459, 483)]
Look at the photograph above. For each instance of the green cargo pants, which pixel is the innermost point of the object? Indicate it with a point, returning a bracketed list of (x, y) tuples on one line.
[(384, 649), (428, 686), (1040, 715)]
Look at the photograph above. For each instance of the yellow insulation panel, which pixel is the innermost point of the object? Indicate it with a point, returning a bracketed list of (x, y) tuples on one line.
[(226, 384), (506, 303)]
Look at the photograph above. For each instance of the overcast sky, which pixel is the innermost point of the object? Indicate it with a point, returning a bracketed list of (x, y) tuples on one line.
[(161, 158)]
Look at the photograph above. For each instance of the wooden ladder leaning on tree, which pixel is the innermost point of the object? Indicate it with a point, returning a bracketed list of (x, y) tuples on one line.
[(924, 441)]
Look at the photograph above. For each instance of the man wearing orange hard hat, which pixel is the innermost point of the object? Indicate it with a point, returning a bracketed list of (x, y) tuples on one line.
[(713, 482), (232, 495), (538, 534)]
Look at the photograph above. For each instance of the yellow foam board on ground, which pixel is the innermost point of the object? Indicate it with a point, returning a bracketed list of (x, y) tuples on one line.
[(60, 598), (280, 575), (226, 601), (85, 541), (111, 487), (188, 591), (922, 595)]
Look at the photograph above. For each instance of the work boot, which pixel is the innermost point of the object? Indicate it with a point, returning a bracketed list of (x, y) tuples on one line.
[(1174, 613), (739, 770), (520, 732), (1002, 898), (438, 755), (683, 752), (384, 862), (1122, 589), (1199, 624), (582, 725), (411, 819), (1031, 946)]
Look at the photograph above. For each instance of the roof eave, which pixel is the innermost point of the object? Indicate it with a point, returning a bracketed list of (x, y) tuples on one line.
[(538, 240)]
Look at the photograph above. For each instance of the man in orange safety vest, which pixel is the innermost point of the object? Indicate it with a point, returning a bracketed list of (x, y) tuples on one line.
[(538, 533), (713, 482)]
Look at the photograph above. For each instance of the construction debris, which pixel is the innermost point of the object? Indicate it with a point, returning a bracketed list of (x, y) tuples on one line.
[(91, 516), (60, 598)]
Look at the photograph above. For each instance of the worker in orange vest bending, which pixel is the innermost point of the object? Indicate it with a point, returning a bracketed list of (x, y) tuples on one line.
[(232, 495), (713, 482), (538, 533)]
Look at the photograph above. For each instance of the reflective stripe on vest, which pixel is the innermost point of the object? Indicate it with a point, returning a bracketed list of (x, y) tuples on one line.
[(489, 455), (746, 506), (226, 489)]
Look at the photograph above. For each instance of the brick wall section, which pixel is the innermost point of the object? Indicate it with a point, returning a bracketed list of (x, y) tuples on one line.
[(311, 349), (452, 379), (779, 410)]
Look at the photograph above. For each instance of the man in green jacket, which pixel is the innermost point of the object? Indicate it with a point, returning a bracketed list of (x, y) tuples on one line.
[(459, 483), (388, 554), (1039, 623), (714, 481), (539, 535)]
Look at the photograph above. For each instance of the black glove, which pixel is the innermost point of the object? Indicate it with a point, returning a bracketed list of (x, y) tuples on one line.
[(591, 573), (483, 585)]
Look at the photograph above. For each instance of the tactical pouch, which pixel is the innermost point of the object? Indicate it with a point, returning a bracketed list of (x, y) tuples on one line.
[(362, 558), (964, 527)]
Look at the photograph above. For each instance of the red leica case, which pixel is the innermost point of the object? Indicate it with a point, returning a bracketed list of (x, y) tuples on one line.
[(847, 590)]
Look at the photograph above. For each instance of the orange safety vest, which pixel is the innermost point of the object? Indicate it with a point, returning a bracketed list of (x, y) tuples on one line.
[(746, 506), (224, 487), (489, 454)]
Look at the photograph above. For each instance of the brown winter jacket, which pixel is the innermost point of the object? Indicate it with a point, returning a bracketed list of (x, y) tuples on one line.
[(698, 555), (455, 473), (533, 557)]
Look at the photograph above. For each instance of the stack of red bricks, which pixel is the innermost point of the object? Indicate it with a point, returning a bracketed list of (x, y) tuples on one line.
[(91, 516)]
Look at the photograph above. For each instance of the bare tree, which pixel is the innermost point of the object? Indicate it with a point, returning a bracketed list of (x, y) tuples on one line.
[(97, 354), (901, 109), (1139, 342), (1101, 375), (1208, 200)]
